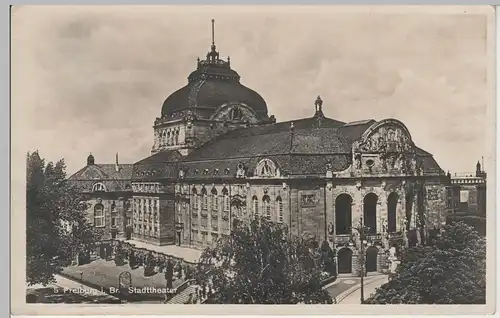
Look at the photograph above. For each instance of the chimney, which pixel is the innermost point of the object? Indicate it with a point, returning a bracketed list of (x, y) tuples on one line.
[(117, 167)]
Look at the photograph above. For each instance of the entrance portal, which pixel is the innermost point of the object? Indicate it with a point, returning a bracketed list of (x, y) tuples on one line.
[(371, 259), (344, 258)]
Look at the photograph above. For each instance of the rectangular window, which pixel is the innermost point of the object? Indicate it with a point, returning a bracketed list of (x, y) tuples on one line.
[(280, 211), (205, 202), (195, 202), (113, 221), (464, 196)]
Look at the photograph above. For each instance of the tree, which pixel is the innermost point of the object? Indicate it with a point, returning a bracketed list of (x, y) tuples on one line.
[(169, 274), (132, 259), (328, 259), (260, 263), (450, 271), (57, 228)]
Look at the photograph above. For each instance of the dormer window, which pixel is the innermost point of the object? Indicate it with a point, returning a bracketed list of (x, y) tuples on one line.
[(98, 187), (266, 168)]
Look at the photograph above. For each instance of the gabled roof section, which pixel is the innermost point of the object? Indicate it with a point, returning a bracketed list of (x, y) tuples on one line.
[(103, 172), (90, 172)]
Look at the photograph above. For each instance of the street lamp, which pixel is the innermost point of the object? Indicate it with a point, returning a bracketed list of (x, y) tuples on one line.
[(361, 228)]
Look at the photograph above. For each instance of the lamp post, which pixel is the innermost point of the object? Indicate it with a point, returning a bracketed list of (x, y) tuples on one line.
[(361, 230)]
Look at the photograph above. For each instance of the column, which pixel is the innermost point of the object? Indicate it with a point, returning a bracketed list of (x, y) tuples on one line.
[(330, 214)]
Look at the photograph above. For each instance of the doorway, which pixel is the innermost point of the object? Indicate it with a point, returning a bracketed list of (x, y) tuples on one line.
[(344, 257)]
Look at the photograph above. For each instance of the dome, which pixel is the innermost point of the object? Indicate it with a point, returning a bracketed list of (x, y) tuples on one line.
[(211, 85)]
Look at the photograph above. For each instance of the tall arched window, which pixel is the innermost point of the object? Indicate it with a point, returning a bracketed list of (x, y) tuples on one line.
[(204, 198), (195, 199), (370, 212), (225, 201), (177, 137), (164, 138), (266, 206), (99, 215), (215, 200), (279, 209), (169, 138), (392, 204), (343, 214), (255, 205)]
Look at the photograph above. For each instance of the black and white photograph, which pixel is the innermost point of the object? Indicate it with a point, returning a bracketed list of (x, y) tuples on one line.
[(252, 155)]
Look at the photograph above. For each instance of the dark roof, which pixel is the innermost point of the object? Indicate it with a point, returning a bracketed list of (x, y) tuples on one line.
[(276, 139)]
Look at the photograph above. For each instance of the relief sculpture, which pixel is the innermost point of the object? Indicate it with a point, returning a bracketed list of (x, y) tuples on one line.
[(387, 139)]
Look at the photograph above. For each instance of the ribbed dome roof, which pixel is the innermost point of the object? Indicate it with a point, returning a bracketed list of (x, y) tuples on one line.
[(211, 85)]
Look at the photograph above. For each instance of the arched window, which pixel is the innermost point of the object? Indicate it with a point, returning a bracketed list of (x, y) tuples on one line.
[(266, 206), (195, 199), (279, 208), (225, 201), (215, 200), (99, 215), (98, 187), (177, 137), (255, 205), (164, 138), (168, 138), (204, 197)]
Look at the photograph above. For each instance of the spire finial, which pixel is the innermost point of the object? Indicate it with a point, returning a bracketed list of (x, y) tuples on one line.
[(213, 36), (319, 105)]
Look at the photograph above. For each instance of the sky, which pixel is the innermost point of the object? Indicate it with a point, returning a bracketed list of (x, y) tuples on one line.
[(93, 79)]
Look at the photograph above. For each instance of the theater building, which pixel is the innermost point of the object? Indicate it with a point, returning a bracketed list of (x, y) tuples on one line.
[(219, 158)]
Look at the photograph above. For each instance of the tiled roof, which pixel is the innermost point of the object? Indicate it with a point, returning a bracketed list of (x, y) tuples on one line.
[(303, 150)]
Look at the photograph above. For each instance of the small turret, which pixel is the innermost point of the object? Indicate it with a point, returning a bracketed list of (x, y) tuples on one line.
[(90, 160)]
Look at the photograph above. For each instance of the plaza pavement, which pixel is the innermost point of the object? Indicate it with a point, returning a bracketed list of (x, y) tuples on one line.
[(353, 296)]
